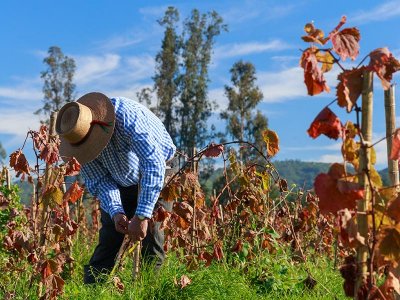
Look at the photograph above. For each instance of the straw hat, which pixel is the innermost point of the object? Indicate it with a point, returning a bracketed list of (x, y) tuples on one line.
[(85, 127)]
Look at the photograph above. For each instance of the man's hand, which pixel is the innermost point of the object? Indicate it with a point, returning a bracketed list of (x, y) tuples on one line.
[(121, 223), (137, 229)]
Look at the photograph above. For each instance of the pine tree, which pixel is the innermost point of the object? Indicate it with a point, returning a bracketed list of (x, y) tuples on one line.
[(167, 72), (243, 96), (58, 88), (200, 31)]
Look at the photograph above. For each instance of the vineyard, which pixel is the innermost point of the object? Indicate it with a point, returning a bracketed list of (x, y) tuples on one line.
[(254, 237)]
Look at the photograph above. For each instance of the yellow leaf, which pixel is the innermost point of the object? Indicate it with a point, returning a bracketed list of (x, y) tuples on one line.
[(52, 197), (326, 59)]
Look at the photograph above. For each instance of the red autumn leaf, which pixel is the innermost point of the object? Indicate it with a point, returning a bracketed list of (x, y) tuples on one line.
[(206, 257), (393, 209), (40, 138), (50, 152), (346, 42), (271, 140), (213, 150), (331, 199), (384, 64), (19, 162), (54, 286), (395, 151), (387, 289), (349, 87), (313, 75), (160, 214), (218, 253), (326, 123), (74, 193), (390, 243), (349, 234), (171, 191), (350, 188), (72, 167), (184, 210)]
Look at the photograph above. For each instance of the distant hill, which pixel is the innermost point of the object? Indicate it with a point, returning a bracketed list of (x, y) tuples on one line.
[(294, 171), (299, 172)]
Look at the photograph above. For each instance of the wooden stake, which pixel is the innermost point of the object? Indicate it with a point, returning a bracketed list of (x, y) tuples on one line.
[(390, 114), (364, 169)]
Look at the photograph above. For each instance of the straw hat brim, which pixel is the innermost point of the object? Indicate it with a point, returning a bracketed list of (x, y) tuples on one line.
[(97, 137)]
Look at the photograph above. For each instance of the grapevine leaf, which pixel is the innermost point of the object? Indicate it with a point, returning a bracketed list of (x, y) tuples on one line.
[(184, 210), (350, 151), (390, 243), (19, 162), (314, 35), (72, 167), (74, 193), (171, 191), (384, 64), (313, 76), (395, 151), (333, 191), (214, 150), (346, 42), (327, 61), (349, 88), (50, 152), (271, 139), (393, 210), (52, 196), (218, 253), (349, 232), (326, 123)]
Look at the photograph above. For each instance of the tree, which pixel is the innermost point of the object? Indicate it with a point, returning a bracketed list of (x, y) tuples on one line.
[(199, 35), (58, 87), (243, 97), (167, 72)]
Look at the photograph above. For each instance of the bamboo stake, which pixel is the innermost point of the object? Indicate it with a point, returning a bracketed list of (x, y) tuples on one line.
[(390, 114), (136, 260), (365, 166)]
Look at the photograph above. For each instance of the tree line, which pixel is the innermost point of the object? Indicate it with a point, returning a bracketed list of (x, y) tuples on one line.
[(179, 93)]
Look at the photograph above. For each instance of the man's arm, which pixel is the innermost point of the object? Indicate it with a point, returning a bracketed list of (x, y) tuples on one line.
[(101, 185)]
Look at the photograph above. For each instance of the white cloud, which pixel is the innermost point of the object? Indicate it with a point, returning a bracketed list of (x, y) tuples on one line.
[(18, 122), (242, 49), (218, 95), (153, 11), (21, 92), (91, 68), (283, 85), (382, 12), (250, 10), (141, 67)]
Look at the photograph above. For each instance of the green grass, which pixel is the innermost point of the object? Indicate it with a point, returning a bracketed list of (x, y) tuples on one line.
[(266, 277)]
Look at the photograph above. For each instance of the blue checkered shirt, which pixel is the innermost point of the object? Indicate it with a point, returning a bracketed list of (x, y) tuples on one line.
[(139, 145)]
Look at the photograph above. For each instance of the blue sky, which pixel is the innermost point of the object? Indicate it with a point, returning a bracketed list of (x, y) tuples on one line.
[(114, 44)]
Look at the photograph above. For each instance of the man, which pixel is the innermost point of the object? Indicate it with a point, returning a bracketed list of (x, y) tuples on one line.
[(121, 145)]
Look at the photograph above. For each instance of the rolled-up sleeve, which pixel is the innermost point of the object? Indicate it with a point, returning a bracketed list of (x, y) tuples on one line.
[(100, 184)]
